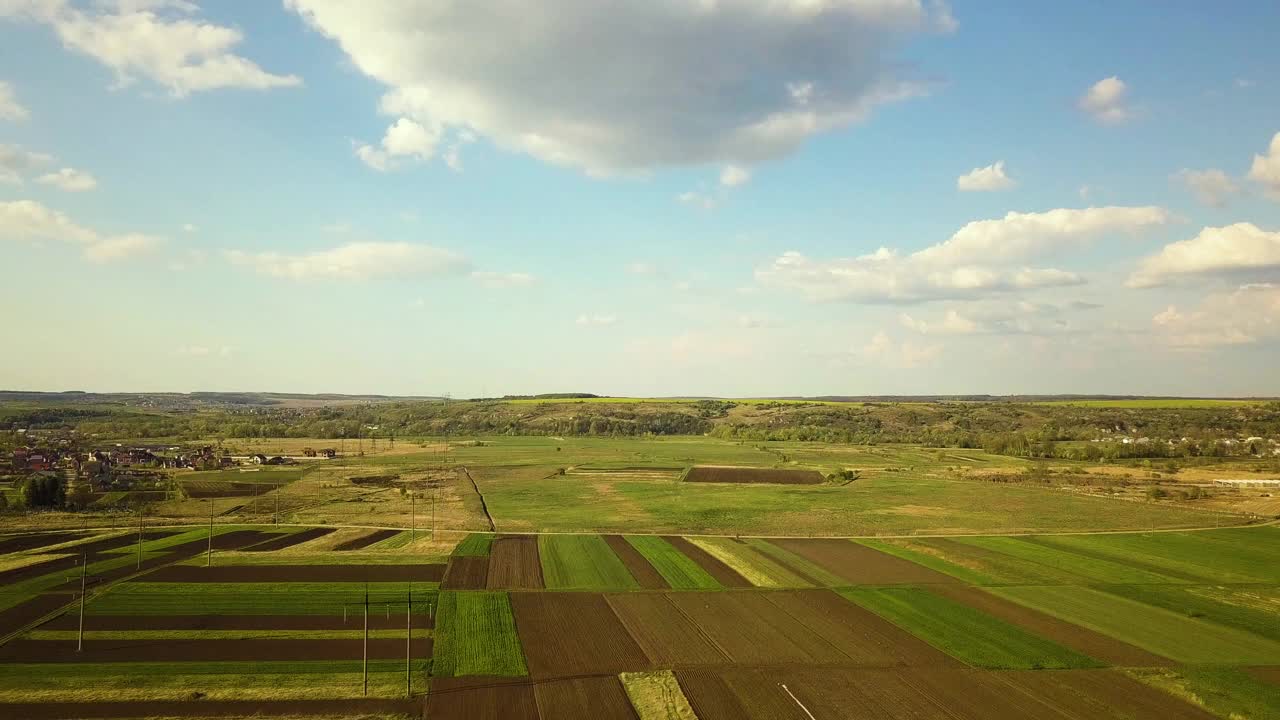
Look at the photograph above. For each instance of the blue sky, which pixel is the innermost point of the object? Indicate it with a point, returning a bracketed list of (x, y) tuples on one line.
[(719, 198)]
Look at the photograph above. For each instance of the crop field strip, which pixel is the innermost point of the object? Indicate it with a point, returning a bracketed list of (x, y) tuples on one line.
[(195, 623), (290, 540), (297, 573), (474, 545), (758, 568), (770, 476), (678, 571), (565, 634), (365, 541), (657, 696), (514, 563), (666, 635), (861, 565), (476, 635), (200, 650), (642, 571), (140, 598), (466, 572), (206, 708), (721, 573), (582, 562), (481, 698), (584, 698)]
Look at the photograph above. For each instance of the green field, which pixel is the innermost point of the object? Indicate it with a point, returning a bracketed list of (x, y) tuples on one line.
[(964, 633), (1164, 632), (679, 571), (751, 564), (582, 562), (474, 545), (476, 635), (293, 598)]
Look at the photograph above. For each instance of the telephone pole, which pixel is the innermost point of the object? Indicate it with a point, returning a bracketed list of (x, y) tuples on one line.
[(433, 515), (141, 514), (413, 518), (408, 643), (275, 520), (209, 559), (84, 570), (366, 638)]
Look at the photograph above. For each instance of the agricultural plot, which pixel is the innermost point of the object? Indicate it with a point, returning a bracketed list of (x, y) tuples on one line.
[(722, 574), (582, 562), (769, 476), (466, 572), (481, 698), (593, 698), (677, 570), (645, 574), (965, 633), (753, 631), (514, 563), (859, 564), (759, 569), (476, 635), (571, 634), (666, 635), (657, 696), (474, 545)]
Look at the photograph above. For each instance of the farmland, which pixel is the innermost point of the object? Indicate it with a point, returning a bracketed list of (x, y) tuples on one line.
[(570, 576)]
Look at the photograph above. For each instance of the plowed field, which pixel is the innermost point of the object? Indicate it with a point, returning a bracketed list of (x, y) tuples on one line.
[(570, 634)]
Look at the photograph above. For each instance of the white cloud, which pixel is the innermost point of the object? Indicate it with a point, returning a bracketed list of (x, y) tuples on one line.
[(734, 175), (1107, 101), (905, 355), (641, 267), (30, 221), (1000, 318), (404, 139), (982, 258), (1247, 315), (153, 39), (1244, 83), (16, 162), (596, 320), (201, 351), (1211, 187), (953, 323), (119, 247), (503, 280), (985, 179), (70, 180), (355, 261), (1235, 251), (701, 200), (528, 78), (1266, 169), (189, 228), (10, 108)]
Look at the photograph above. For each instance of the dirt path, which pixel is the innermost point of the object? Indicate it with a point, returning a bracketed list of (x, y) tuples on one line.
[(483, 507)]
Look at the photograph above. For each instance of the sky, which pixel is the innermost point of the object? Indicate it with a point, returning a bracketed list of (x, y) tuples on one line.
[(670, 197)]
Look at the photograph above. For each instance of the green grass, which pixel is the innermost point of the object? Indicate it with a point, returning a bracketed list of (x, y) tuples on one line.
[(1066, 566), (1252, 609), (476, 635), (964, 633), (1238, 555), (750, 563), (582, 562), (355, 633), (120, 682), (474, 545), (295, 598), (679, 571), (1140, 403), (1226, 692), (1164, 632), (323, 557), (18, 592)]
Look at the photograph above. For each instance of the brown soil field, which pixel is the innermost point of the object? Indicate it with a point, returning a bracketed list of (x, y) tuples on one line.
[(1083, 640), (55, 651), (377, 621), (645, 574), (514, 563), (747, 693), (723, 574), (481, 698), (38, 569), (366, 540), (590, 698), (14, 543), (209, 708), (862, 565), (73, 561), (291, 540), (771, 476), (37, 607), (1103, 694), (866, 638), (753, 631), (297, 573), (466, 573), (664, 633), (569, 634)]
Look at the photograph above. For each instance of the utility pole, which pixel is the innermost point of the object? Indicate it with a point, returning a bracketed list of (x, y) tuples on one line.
[(84, 570), (209, 559), (408, 644), (433, 515), (413, 518), (141, 514), (276, 519), (366, 638)]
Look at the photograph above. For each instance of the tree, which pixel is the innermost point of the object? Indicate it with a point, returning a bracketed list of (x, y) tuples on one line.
[(4, 502), (43, 490)]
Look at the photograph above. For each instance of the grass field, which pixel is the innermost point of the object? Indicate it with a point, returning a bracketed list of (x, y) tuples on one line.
[(476, 635), (751, 564), (294, 598), (679, 571), (582, 562), (1171, 634), (965, 633), (474, 545)]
